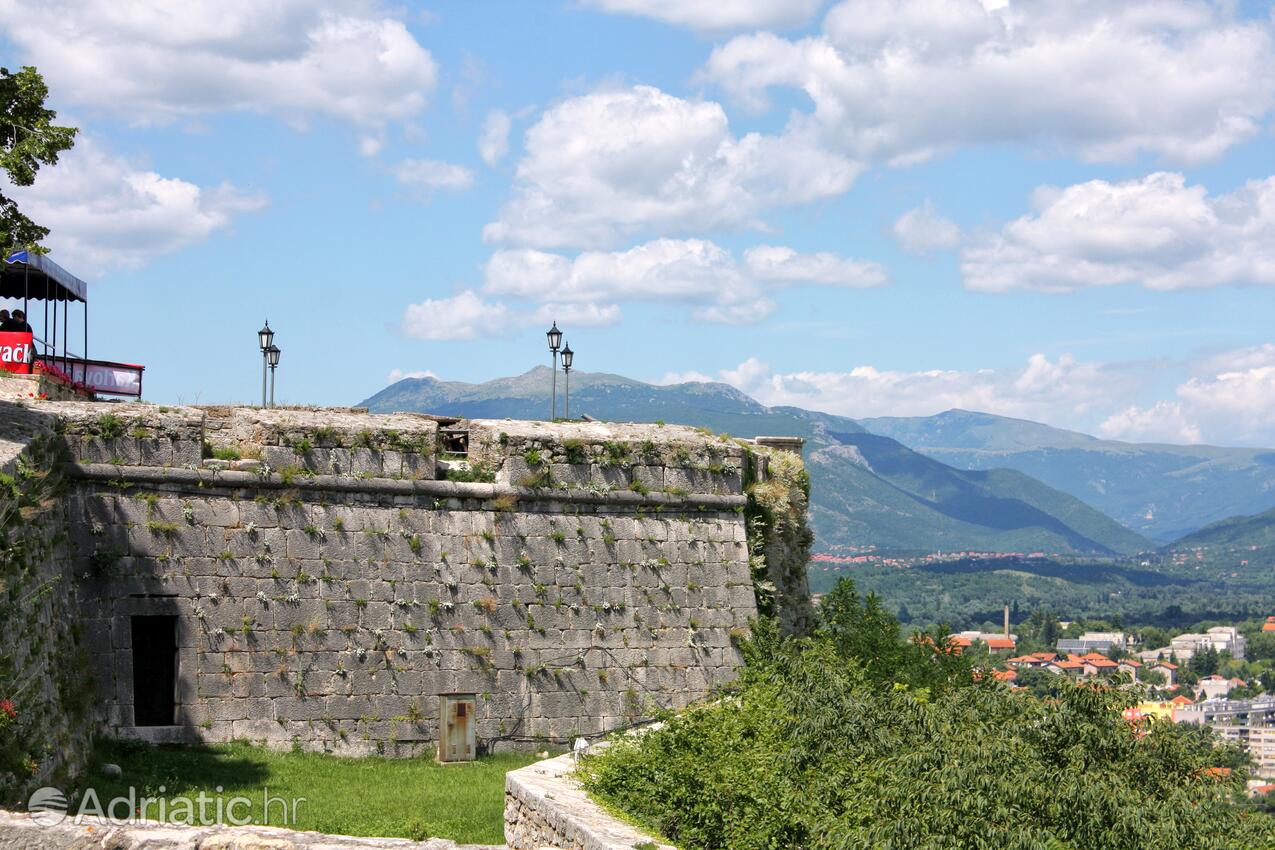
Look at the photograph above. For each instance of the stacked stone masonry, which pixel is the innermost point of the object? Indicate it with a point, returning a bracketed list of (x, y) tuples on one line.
[(328, 582), (45, 729)]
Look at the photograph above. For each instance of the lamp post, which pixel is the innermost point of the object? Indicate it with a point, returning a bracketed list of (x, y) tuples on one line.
[(265, 337), (555, 340), (567, 356), (272, 356)]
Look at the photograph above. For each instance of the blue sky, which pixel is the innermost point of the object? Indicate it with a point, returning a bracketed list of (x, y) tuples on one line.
[(1057, 210)]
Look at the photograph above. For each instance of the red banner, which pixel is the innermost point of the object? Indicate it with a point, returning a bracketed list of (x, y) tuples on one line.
[(15, 352)]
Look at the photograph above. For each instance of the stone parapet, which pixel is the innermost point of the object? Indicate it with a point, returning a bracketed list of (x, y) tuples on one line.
[(546, 808), (607, 456), (19, 832)]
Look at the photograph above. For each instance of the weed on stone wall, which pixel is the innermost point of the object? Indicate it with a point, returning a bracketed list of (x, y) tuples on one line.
[(779, 539)]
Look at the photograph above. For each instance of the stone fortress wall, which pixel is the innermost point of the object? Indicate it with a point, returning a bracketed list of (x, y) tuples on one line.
[(331, 574)]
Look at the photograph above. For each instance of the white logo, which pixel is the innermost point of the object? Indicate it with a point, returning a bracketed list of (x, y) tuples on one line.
[(47, 806)]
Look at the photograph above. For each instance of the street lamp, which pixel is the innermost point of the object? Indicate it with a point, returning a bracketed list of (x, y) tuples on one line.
[(272, 356), (555, 340), (265, 337), (567, 356)]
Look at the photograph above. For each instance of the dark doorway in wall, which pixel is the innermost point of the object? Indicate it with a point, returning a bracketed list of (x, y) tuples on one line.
[(154, 670)]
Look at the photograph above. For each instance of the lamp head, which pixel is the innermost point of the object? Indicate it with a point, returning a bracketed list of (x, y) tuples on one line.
[(555, 337), (265, 336), (272, 355), (567, 356)]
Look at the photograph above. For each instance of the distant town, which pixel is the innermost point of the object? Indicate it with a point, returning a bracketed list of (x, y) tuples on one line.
[(1207, 678)]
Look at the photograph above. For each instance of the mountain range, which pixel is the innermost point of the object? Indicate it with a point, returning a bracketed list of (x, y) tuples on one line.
[(869, 489), (1162, 491)]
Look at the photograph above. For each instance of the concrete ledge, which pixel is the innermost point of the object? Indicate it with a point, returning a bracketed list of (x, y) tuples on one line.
[(19, 832), (203, 479), (546, 808)]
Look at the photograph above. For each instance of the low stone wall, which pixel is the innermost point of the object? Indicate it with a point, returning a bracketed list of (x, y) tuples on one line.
[(36, 388), (19, 832), (546, 808)]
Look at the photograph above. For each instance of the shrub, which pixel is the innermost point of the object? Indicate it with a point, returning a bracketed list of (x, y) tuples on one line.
[(477, 471), (819, 748)]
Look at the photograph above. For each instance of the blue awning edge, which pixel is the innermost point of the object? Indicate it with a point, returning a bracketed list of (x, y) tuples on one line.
[(74, 288)]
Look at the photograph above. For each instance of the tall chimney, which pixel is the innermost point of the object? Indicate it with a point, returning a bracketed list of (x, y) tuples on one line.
[(1006, 619)]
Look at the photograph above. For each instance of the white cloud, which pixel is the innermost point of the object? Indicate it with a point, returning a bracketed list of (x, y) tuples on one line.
[(467, 316), (777, 263), (397, 375), (1231, 399), (1226, 398), (692, 271), (370, 145), (104, 212), (923, 231), (433, 174), (611, 165), (1156, 232), (691, 377), (900, 80), (145, 61), (578, 315), (748, 312), (493, 143), (1062, 390), (717, 14), (1163, 421), (462, 316)]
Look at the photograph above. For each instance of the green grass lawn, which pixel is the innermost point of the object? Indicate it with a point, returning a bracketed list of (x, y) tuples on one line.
[(371, 796)]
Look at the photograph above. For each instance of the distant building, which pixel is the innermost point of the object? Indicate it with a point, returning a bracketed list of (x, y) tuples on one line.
[(1269, 625), (996, 641), (1094, 642), (1066, 667), (1166, 669), (1249, 723), (1216, 687), (1184, 647)]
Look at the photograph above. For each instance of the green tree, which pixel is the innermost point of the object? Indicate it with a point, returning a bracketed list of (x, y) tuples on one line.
[(860, 628), (1205, 663), (28, 139)]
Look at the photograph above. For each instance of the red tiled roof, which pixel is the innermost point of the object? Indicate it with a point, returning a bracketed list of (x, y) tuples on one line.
[(1069, 665), (1094, 656), (1101, 662), (1045, 656), (1166, 665), (1000, 643), (1131, 662), (1004, 675), (1181, 700)]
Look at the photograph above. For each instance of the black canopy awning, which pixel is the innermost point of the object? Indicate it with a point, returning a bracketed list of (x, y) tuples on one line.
[(35, 276)]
